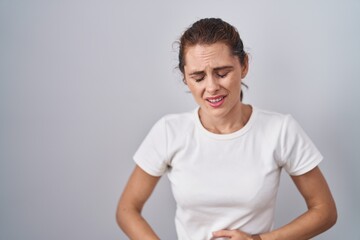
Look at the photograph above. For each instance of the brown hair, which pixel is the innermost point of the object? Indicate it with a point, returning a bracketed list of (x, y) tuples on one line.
[(209, 31)]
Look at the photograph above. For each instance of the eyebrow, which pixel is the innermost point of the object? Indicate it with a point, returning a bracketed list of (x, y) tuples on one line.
[(215, 69), (223, 68)]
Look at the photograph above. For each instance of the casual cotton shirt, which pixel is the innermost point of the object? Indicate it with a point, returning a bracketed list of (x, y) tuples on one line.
[(226, 181)]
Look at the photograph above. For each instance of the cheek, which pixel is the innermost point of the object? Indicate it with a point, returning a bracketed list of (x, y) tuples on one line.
[(196, 91), (235, 86), (193, 87)]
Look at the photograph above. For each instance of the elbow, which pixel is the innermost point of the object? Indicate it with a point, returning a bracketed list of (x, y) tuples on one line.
[(120, 215), (125, 214), (331, 217)]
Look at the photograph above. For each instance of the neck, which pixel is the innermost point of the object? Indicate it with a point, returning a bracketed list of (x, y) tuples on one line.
[(231, 122)]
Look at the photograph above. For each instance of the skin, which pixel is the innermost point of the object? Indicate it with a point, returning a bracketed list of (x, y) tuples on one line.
[(211, 71), (128, 215)]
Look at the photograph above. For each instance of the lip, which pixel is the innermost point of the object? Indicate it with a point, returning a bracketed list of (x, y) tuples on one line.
[(216, 104)]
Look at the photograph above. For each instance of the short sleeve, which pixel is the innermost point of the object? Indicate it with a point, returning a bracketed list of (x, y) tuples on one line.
[(298, 154), (151, 156)]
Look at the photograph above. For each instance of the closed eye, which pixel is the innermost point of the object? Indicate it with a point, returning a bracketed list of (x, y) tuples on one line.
[(199, 79), (222, 72), (222, 75)]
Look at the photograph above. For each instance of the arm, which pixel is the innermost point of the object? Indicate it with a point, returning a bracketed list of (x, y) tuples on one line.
[(128, 215), (320, 216), (321, 213)]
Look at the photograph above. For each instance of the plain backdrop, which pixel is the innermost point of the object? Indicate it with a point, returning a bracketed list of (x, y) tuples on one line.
[(82, 82)]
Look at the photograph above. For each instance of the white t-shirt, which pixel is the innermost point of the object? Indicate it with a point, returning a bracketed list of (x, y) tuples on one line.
[(225, 181)]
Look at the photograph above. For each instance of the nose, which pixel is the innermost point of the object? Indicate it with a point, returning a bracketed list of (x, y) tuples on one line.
[(212, 85)]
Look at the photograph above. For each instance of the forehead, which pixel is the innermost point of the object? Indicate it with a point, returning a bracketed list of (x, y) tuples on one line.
[(201, 56)]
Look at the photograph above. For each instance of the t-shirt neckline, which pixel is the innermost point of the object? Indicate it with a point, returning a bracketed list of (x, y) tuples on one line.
[(225, 136)]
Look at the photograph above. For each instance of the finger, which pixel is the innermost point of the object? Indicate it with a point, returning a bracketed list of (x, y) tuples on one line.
[(223, 233)]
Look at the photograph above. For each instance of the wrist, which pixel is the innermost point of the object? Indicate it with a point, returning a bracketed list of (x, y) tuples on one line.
[(256, 237)]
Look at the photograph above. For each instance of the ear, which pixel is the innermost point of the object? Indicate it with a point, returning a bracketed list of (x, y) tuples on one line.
[(245, 67)]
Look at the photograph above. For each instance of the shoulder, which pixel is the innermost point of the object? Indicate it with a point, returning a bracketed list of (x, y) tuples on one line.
[(273, 124), (179, 122), (177, 118), (270, 118), (281, 125)]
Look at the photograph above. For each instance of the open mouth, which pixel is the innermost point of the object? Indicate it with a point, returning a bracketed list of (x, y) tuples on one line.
[(216, 101)]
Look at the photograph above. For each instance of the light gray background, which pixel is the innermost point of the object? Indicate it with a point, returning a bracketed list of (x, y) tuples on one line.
[(82, 82)]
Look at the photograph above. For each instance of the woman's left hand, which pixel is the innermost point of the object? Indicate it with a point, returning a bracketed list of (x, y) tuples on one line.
[(231, 234)]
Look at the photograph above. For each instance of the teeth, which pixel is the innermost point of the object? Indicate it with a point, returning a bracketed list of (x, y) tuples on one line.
[(215, 100)]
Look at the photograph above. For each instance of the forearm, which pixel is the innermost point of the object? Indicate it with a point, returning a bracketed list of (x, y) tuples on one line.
[(306, 226), (128, 214), (134, 225)]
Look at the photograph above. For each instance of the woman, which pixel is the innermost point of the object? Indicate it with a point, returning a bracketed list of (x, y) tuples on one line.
[(224, 159)]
